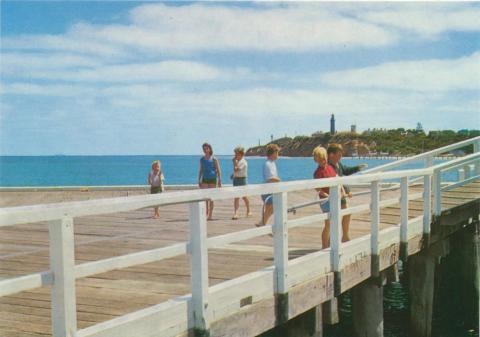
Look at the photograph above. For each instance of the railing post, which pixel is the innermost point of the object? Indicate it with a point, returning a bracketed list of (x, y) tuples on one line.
[(62, 263), (335, 235), (199, 268), (280, 250), (461, 175), (429, 161), (375, 211), (476, 149), (427, 208), (437, 192), (467, 172), (404, 219)]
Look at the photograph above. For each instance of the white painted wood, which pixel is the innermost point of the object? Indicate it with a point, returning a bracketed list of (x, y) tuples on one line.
[(308, 220), (415, 227), (134, 259), (404, 209), (55, 211), (375, 214), (429, 161), (461, 175), (437, 192), (388, 237), (225, 297), (427, 203), (22, 283), (280, 242), (225, 239), (472, 169), (355, 250), (335, 227), (466, 169), (308, 267), (458, 162), (199, 264), (62, 264), (476, 149), (152, 321), (460, 183)]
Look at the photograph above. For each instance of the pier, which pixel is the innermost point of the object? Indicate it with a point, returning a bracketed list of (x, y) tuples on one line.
[(92, 263)]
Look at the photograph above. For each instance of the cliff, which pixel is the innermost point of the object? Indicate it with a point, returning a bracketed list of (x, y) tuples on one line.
[(302, 146), (392, 142)]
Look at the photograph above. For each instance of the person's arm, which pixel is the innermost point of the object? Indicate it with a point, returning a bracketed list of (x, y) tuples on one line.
[(200, 173), (274, 180), (349, 170), (219, 172), (149, 179), (235, 164)]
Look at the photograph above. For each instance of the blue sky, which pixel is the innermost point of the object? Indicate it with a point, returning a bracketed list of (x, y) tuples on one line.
[(162, 78)]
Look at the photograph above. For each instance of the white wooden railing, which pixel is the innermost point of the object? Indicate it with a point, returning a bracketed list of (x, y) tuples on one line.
[(208, 304)]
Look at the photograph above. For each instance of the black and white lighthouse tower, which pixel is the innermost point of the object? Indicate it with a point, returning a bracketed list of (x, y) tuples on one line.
[(332, 124)]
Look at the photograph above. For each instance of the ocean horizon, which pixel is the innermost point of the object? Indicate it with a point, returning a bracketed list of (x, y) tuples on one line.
[(118, 170)]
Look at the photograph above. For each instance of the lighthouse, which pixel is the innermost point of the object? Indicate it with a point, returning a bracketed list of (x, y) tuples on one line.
[(332, 124)]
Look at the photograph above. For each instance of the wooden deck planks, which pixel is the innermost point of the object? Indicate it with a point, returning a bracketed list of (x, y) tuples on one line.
[(24, 249)]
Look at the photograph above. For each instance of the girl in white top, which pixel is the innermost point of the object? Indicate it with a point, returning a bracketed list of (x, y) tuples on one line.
[(240, 171), (155, 180)]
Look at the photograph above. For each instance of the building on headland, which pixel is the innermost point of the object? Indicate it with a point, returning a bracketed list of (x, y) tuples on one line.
[(353, 128), (419, 127), (332, 125)]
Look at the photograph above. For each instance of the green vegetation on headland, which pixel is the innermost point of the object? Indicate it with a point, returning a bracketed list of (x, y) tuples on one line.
[(376, 142)]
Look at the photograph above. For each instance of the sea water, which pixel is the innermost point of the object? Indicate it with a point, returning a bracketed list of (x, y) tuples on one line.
[(24, 171)]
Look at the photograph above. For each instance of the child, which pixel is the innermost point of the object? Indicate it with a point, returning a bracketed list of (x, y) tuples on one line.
[(270, 175), (209, 175), (335, 152), (155, 179), (324, 170), (240, 168)]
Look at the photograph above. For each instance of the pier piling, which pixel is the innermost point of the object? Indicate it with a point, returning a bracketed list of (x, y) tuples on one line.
[(421, 272), (367, 309)]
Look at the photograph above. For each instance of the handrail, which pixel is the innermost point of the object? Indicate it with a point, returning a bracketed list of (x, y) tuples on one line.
[(460, 161), (424, 155), (25, 214)]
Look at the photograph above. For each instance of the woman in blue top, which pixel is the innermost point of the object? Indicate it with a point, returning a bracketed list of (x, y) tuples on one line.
[(210, 175)]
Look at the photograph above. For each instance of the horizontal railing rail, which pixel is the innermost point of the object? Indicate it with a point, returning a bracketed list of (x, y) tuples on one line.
[(25, 214), (194, 311)]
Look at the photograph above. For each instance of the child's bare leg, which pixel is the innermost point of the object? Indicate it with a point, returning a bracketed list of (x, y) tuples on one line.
[(210, 210), (345, 226), (236, 205), (326, 235), (267, 212), (247, 204)]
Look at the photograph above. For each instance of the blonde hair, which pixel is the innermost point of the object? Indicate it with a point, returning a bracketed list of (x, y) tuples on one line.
[(239, 149), (320, 153), (155, 162), (272, 148)]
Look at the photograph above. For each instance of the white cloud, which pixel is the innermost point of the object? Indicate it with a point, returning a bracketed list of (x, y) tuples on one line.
[(68, 42), (28, 89), (160, 29), (23, 64), (425, 19), (426, 75)]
